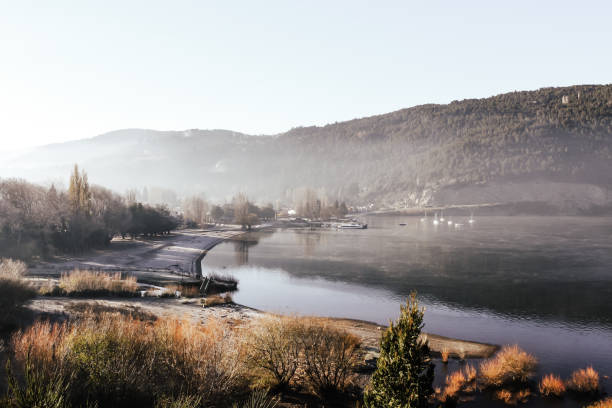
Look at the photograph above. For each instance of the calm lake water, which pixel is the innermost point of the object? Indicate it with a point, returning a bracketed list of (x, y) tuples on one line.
[(542, 282)]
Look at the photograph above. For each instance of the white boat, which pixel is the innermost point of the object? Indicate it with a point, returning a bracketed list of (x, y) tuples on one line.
[(351, 225), (442, 216), (471, 220), (435, 221)]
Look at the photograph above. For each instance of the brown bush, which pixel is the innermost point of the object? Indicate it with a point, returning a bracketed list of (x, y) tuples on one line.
[(214, 300), (510, 365), (14, 291), (445, 353), (329, 357), (119, 361), (552, 386), (83, 282), (607, 403), (505, 396), (275, 348), (584, 381)]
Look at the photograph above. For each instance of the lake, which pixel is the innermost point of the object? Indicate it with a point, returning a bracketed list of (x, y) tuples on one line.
[(542, 282)]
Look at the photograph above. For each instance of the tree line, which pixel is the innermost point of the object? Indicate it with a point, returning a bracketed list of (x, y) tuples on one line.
[(39, 221)]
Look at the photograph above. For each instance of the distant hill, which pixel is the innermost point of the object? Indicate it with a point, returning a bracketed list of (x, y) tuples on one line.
[(551, 146)]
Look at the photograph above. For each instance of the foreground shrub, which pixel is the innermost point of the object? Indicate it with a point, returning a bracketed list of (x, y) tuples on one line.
[(404, 372), (38, 389), (458, 382), (183, 401), (14, 290), (84, 282), (584, 381), (118, 361), (510, 365), (607, 403), (259, 399), (329, 357), (552, 386), (275, 348)]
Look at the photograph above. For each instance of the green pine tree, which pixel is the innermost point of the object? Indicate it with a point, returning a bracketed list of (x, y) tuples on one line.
[(404, 372)]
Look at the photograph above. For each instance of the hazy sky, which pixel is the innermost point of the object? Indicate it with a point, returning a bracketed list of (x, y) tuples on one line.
[(75, 69)]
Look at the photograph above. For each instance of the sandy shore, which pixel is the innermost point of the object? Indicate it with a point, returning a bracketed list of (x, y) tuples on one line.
[(156, 259)]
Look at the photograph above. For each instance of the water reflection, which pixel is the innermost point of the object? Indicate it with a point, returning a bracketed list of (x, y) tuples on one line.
[(537, 281)]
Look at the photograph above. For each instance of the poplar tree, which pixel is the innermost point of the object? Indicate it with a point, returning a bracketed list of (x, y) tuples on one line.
[(404, 372), (79, 193)]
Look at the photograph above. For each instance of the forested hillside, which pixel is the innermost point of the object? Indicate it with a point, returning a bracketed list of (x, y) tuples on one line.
[(552, 145)]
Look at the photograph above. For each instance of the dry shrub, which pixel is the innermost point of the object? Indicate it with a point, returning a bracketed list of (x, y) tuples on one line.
[(119, 361), (607, 403), (97, 310), (188, 291), (458, 382), (14, 290), (470, 373), (274, 348), (455, 383), (523, 395), (214, 300), (552, 386), (11, 269), (505, 396), (329, 357), (445, 353), (584, 381), (510, 365), (324, 356), (83, 282)]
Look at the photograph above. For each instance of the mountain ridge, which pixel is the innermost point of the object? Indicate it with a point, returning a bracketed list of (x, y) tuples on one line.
[(414, 156)]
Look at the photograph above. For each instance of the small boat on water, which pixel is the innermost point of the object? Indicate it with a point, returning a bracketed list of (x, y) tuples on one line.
[(402, 224), (435, 221), (351, 225), (471, 220)]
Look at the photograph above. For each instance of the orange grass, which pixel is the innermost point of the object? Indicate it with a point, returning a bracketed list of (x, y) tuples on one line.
[(584, 381), (80, 282), (112, 357), (607, 403), (552, 386), (445, 353), (510, 365)]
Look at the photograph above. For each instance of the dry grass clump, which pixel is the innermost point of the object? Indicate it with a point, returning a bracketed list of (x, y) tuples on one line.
[(274, 348), (188, 291), (509, 366), (445, 353), (584, 381), (552, 386), (97, 310), (510, 398), (457, 383), (119, 361), (329, 357), (83, 282), (11, 269), (14, 290), (214, 300), (505, 396), (325, 357), (607, 403)]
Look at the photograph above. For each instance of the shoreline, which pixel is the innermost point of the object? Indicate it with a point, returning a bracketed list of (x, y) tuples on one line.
[(177, 257)]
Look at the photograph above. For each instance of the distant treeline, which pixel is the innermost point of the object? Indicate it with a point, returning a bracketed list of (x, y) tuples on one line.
[(39, 221)]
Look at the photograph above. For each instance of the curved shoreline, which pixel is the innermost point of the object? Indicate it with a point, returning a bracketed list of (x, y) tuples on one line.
[(179, 256)]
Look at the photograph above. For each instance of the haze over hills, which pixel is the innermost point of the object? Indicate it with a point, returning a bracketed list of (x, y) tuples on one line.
[(552, 146)]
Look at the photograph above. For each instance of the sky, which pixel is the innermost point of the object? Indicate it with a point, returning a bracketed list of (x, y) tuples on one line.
[(76, 69)]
